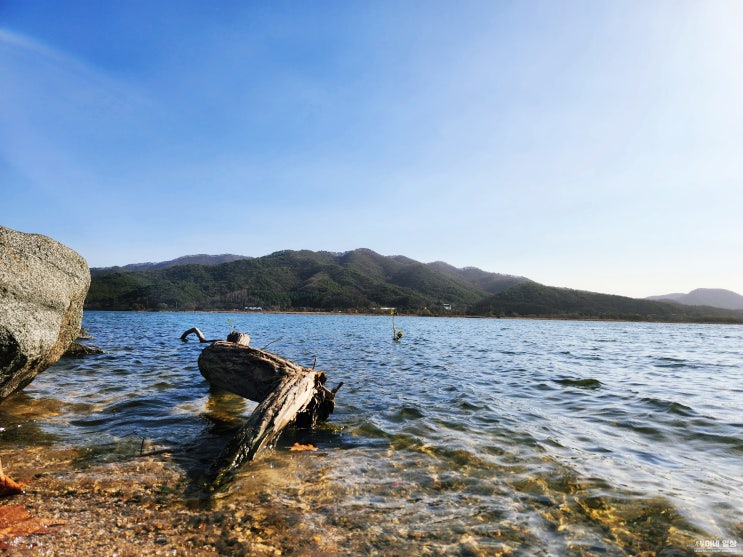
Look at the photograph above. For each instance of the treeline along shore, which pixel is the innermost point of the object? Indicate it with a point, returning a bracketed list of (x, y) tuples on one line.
[(362, 281)]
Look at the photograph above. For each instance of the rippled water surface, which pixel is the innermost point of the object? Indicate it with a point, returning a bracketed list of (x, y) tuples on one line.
[(469, 436)]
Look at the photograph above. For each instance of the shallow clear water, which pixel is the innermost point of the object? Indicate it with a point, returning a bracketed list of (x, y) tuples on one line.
[(467, 436)]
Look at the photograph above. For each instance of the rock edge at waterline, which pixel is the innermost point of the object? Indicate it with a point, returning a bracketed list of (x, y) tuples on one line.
[(43, 285)]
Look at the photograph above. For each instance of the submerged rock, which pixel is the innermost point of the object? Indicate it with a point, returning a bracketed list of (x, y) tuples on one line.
[(76, 350), (43, 285)]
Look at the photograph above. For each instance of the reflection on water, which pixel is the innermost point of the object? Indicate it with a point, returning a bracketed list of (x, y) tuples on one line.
[(467, 437)]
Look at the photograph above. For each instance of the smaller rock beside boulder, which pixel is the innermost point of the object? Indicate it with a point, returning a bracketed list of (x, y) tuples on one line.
[(76, 350), (43, 285)]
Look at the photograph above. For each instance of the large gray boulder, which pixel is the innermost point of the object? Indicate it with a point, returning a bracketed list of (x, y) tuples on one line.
[(43, 285)]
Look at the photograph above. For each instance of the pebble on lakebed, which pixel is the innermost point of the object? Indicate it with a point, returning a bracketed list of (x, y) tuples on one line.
[(138, 507)]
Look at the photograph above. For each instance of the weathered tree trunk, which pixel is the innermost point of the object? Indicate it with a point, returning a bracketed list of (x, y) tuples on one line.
[(243, 370), (289, 394), (198, 333), (293, 397)]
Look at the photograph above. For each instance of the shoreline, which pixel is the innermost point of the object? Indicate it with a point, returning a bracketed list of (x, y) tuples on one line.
[(456, 316)]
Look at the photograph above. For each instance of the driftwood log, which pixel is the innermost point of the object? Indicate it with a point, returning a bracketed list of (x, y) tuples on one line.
[(287, 393)]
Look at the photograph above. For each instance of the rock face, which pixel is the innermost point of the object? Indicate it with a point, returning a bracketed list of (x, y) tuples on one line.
[(43, 285)]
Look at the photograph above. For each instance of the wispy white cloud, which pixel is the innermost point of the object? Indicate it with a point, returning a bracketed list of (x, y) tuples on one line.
[(50, 96)]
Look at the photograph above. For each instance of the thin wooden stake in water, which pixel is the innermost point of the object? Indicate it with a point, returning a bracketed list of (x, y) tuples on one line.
[(396, 333)]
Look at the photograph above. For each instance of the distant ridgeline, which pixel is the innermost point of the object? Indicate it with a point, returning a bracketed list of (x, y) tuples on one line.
[(361, 281)]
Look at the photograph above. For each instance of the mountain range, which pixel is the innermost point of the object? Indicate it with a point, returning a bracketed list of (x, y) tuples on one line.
[(361, 281), (199, 259), (713, 297)]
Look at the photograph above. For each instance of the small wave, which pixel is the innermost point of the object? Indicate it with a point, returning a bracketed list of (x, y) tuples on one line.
[(587, 383), (367, 431), (669, 406), (709, 439), (407, 413), (468, 405), (642, 428), (146, 406), (674, 363), (88, 421)]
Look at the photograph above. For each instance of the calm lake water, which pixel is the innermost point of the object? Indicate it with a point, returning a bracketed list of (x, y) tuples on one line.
[(469, 436)]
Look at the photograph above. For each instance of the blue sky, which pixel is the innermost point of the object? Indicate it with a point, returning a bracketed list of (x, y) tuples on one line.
[(592, 145)]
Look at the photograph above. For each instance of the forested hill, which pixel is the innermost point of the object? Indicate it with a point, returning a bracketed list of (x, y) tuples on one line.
[(532, 299), (358, 280), (362, 281)]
